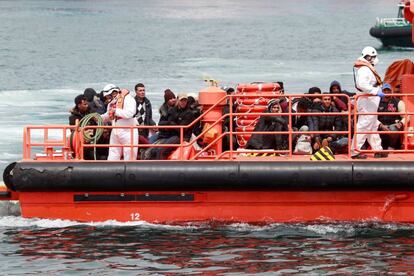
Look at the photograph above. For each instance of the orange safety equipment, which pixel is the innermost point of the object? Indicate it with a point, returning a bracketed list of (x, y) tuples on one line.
[(118, 103), (257, 87), (260, 93), (359, 63)]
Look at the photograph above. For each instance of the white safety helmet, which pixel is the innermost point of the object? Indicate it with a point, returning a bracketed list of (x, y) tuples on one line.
[(109, 88), (370, 51)]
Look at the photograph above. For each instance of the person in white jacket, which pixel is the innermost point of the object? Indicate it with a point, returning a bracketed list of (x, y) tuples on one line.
[(121, 110), (368, 83)]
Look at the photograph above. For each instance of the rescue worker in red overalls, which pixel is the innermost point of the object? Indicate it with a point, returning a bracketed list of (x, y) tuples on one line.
[(120, 111)]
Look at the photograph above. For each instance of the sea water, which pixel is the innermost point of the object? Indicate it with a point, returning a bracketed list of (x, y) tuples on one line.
[(50, 51)]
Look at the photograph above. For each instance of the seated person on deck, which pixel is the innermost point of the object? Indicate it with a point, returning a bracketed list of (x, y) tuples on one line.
[(338, 143), (180, 114), (270, 123), (391, 122)]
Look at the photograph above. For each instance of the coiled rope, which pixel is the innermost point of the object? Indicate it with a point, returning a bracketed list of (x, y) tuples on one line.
[(97, 133)]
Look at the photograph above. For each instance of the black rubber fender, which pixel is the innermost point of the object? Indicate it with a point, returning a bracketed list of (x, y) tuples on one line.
[(210, 175), (390, 32)]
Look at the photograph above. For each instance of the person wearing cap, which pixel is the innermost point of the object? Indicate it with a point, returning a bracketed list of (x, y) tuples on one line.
[(143, 115), (270, 123), (337, 142), (180, 114), (368, 84), (169, 102), (120, 112), (80, 110), (391, 122)]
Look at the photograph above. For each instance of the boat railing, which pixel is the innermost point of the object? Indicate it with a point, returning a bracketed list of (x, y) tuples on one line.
[(59, 142), (351, 117), (407, 132), (391, 22), (46, 139), (231, 154)]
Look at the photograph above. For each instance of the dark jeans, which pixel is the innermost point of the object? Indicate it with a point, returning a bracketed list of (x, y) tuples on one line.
[(340, 145), (391, 140)]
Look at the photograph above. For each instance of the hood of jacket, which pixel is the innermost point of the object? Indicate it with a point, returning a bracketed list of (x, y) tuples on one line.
[(333, 84)]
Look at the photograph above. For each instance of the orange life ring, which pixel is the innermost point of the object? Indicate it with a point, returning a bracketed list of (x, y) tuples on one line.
[(245, 128), (251, 108), (74, 143), (250, 101), (254, 87), (246, 122), (242, 139)]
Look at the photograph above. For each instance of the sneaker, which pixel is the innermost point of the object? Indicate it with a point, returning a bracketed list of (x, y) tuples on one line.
[(359, 156), (381, 155)]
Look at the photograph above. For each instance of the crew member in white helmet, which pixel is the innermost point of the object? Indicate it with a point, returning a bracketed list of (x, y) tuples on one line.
[(367, 82), (120, 111)]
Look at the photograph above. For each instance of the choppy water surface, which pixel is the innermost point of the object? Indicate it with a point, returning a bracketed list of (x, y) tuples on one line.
[(51, 50), (43, 246)]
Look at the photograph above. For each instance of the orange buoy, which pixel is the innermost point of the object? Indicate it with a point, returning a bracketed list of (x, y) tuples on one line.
[(254, 87), (251, 108)]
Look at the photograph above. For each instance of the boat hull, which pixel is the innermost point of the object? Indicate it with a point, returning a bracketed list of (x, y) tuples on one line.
[(223, 206), (393, 36), (228, 191)]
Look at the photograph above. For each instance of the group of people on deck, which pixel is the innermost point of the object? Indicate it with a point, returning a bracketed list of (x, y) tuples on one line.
[(374, 97), (119, 108)]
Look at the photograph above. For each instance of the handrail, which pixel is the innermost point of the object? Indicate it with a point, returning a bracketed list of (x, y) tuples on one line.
[(407, 117), (78, 131)]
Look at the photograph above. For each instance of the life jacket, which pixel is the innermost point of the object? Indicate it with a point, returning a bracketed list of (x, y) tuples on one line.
[(120, 99), (359, 63)]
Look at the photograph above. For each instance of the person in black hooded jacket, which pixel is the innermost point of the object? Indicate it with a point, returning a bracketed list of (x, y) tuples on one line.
[(341, 102), (270, 123)]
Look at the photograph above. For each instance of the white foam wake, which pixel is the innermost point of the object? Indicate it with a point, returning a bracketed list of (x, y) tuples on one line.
[(19, 222)]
